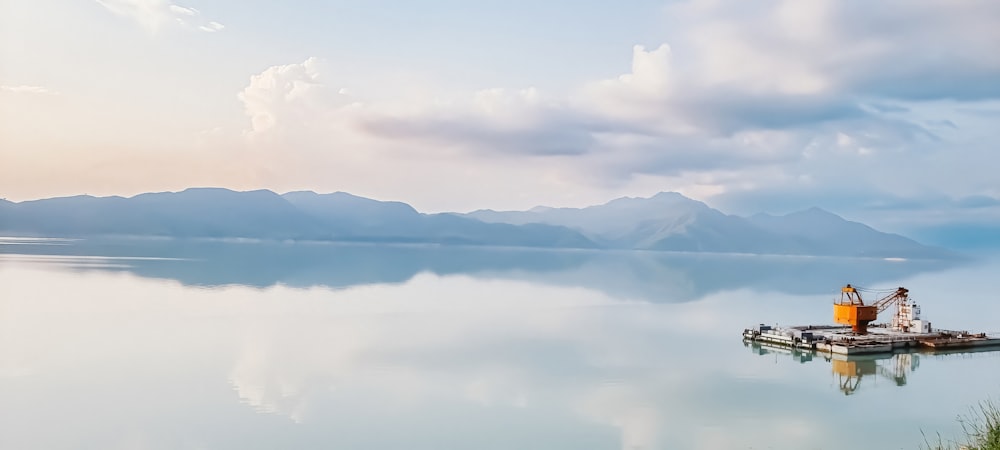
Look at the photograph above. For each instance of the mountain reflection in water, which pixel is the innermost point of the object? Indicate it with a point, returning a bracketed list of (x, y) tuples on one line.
[(651, 276)]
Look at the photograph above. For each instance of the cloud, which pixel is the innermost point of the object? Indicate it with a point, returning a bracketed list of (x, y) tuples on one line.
[(183, 11), (760, 105), (990, 113), (909, 50), (153, 15), (491, 121), (644, 123), (212, 27), (26, 89), (941, 124), (978, 201), (283, 98), (886, 108)]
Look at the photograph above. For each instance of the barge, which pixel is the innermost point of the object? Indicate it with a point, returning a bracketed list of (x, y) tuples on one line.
[(855, 335), (842, 340)]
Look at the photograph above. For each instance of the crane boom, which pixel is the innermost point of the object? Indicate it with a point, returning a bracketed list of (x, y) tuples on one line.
[(894, 298)]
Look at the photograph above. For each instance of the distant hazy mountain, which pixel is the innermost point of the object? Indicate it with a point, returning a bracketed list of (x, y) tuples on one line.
[(191, 213), (222, 213), (359, 218), (6, 212), (670, 221), (827, 233), (666, 221)]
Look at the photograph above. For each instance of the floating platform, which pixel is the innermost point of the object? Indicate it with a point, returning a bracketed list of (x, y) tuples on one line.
[(841, 340)]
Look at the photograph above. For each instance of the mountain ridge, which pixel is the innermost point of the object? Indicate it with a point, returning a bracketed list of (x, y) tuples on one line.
[(667, 221)]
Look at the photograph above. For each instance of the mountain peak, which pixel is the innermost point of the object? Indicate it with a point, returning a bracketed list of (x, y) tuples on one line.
[(206, 189), (816, 210), (815, 213), (340, 203), (303, 193), (670, 195), (660, 199)]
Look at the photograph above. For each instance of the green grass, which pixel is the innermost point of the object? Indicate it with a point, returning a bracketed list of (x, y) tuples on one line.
[(981, 427)]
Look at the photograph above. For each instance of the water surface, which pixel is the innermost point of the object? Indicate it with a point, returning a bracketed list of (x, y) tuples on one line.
[(208, 345)]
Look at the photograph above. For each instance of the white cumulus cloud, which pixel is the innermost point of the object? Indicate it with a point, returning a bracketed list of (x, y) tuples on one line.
[(289, 95)]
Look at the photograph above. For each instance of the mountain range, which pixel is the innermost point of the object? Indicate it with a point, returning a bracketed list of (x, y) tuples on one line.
[(665, 222)]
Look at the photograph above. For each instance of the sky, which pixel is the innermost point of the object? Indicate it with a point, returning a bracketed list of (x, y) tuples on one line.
[(884, 112)]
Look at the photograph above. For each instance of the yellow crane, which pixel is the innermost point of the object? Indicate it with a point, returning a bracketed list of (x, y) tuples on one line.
[(852, 310)]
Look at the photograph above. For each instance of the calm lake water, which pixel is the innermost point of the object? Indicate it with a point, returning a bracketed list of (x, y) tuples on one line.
[(201, 345)]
